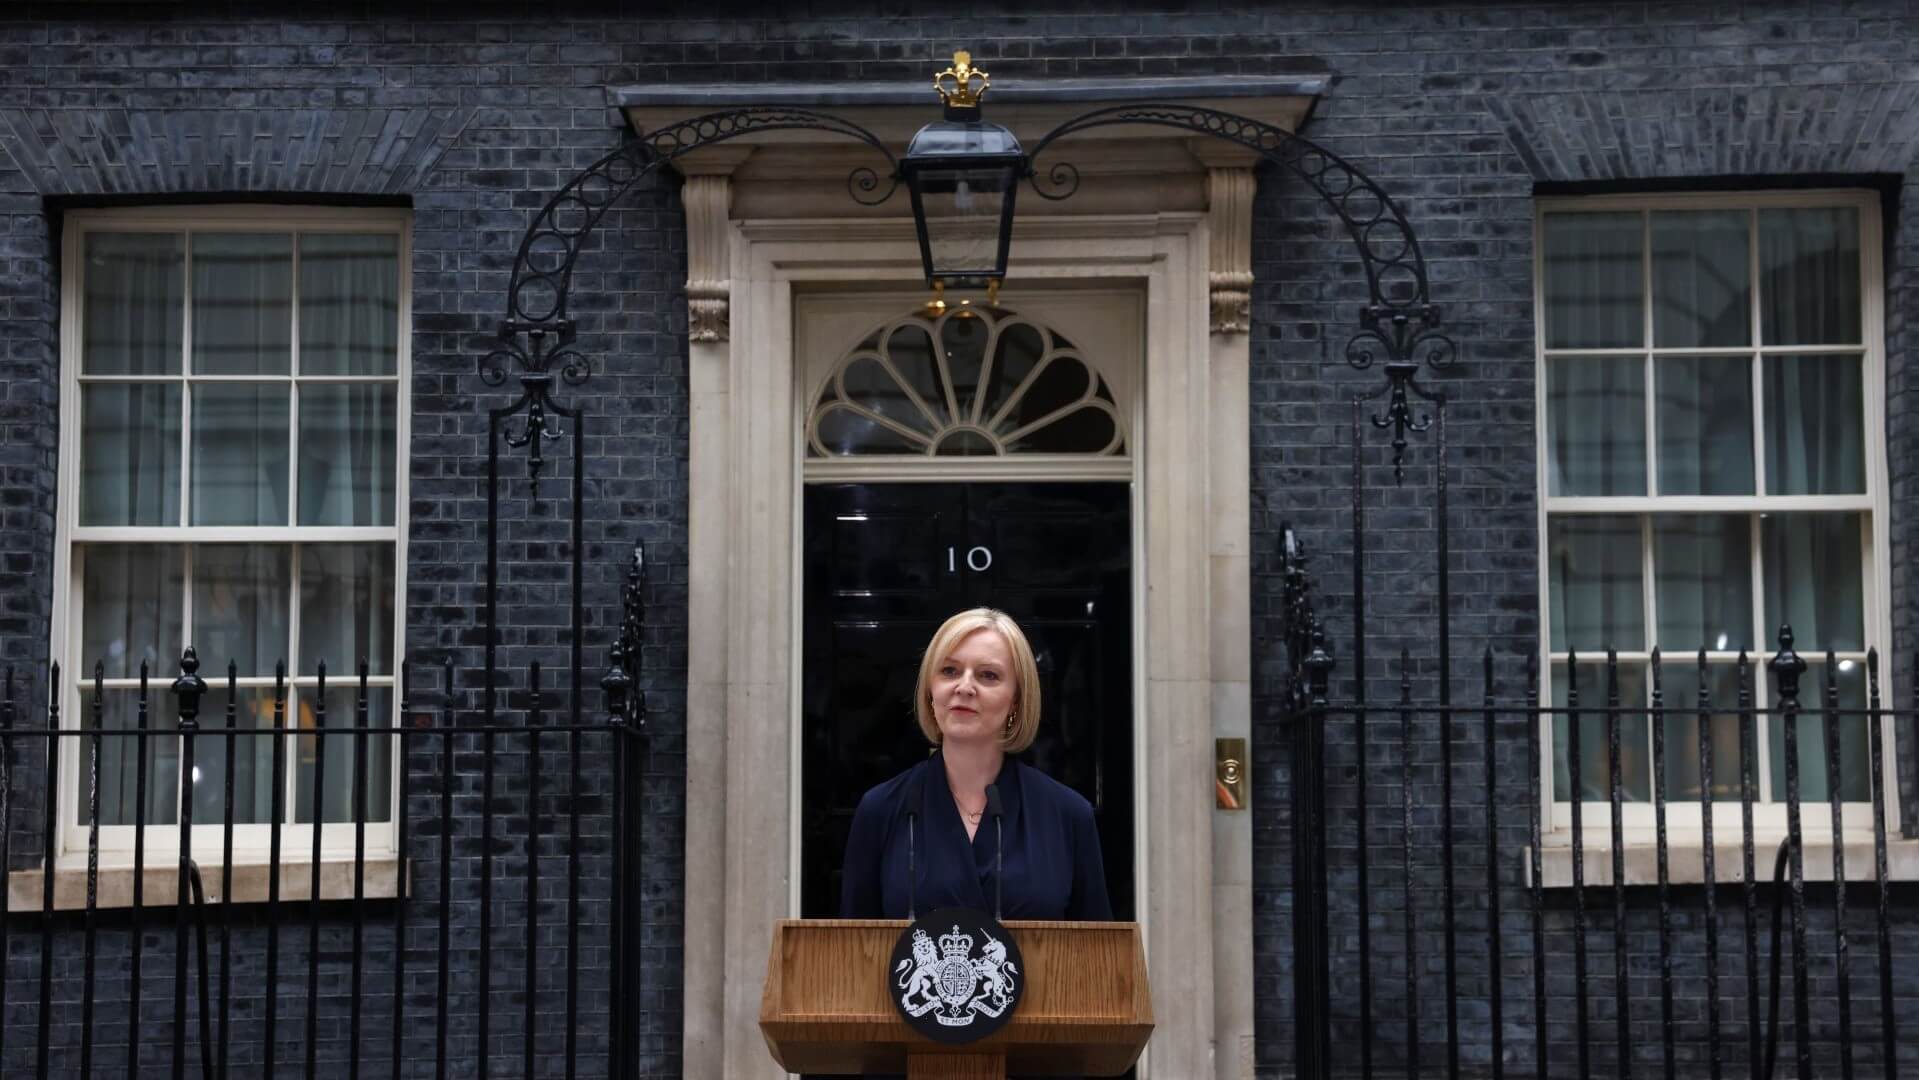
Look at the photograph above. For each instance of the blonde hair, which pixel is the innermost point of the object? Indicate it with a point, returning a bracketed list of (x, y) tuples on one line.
[(1025, 715)]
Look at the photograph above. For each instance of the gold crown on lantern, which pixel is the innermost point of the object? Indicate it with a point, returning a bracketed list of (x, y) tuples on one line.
[(962, 85)]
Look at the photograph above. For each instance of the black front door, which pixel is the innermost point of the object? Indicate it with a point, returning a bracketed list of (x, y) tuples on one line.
[(885, 565)]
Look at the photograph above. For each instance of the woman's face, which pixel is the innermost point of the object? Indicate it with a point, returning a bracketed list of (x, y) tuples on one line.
[(972, 688)]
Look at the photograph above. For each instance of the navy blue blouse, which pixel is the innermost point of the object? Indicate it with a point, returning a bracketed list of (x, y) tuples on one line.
[(1053, 865)]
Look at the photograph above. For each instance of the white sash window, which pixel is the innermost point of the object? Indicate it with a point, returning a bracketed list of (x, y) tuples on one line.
[(1711, 397), (232, 478)]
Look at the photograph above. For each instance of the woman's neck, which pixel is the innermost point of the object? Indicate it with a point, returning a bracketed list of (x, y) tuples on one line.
[(970, 767)]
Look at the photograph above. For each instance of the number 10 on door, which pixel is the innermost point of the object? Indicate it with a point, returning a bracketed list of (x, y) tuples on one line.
[(978, 559)]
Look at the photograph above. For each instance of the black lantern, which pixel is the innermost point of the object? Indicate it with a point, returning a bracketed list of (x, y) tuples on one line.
[(963, 173)]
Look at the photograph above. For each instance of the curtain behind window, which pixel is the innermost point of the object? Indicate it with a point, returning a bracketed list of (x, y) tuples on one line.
[(349, 299), (132, 325)]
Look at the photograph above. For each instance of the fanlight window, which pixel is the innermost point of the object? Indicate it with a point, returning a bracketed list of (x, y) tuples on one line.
[(968, 383)]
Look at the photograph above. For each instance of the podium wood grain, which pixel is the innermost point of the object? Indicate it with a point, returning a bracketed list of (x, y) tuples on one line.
[(826, 1006), (977, 1066)]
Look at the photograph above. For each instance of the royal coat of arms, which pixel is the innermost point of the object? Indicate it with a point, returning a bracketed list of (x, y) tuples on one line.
[(965, 981)]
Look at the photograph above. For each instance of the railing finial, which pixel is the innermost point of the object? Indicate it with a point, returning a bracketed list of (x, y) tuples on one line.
[(1319, 662), (1787, 666), (623, 659), (615, 683), (189, 687)]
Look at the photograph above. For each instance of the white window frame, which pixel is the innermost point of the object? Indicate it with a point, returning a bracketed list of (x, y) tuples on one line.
[(250, 841), (1683, 815)]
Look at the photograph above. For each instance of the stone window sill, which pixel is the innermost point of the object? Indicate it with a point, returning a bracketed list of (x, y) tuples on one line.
[(386, 876), (1685, 864)]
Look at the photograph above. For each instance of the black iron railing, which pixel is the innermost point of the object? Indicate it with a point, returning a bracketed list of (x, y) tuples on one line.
[(503, 943), (1695, 983)]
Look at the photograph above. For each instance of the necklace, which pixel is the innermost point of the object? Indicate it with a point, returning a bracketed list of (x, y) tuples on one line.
[(973, 815)]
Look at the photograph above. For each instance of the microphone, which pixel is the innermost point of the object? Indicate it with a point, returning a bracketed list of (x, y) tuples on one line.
[(998, 810), (912, 873)]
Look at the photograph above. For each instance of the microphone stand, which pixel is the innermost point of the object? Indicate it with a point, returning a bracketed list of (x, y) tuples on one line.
[(998, 810), (912, 874)]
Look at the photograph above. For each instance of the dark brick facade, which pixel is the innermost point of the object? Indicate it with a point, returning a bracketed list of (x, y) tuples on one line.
[(1462, 110)]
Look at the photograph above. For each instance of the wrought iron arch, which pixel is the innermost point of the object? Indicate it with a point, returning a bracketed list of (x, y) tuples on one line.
[(543, 268), (1387, 246), (1399, 319)]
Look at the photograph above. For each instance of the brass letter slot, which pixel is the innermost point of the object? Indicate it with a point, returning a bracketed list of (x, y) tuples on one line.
[(1229, 779)]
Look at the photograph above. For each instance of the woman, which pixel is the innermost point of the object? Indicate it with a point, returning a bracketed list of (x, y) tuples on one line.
[(977, 702)]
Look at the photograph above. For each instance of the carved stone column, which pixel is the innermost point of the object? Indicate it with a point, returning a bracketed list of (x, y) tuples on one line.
[(708, 197), (1229, 283)]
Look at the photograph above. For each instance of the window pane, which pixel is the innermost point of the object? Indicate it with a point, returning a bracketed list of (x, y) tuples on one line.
[(1704, 417), (843, 431), (135, 300), (1704, 582), (1683, 772), (1596, 584), (1596, 419), (1814, 579), (868, 383), (965, 443), (1594, 279), (242, 303), (1061, 383), (132, 609), (240, 454), (339, 804), (962, 216), (346, 608), (1083, 431), (1815, 425), (1701, 264), (121, 761), (1854, 761), (1595, 761), (253, 754), (1809, 276), (348, 439), (964, 343), (1020, 348), (240, 599), (130, 454), (349, 304)]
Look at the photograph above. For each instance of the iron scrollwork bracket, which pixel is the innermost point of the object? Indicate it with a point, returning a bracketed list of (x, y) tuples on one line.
[(542, 352), (1408, 338)]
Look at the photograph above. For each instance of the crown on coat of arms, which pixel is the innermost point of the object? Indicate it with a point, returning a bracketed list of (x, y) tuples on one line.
[(956, 946)]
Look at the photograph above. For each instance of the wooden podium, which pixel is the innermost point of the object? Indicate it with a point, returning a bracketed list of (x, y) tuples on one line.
[(1086, 1009)]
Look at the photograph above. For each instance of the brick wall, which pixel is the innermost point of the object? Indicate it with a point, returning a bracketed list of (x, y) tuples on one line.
[(1458, 109)]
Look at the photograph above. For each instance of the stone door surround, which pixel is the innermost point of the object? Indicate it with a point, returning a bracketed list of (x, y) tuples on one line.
[(768, 218)]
